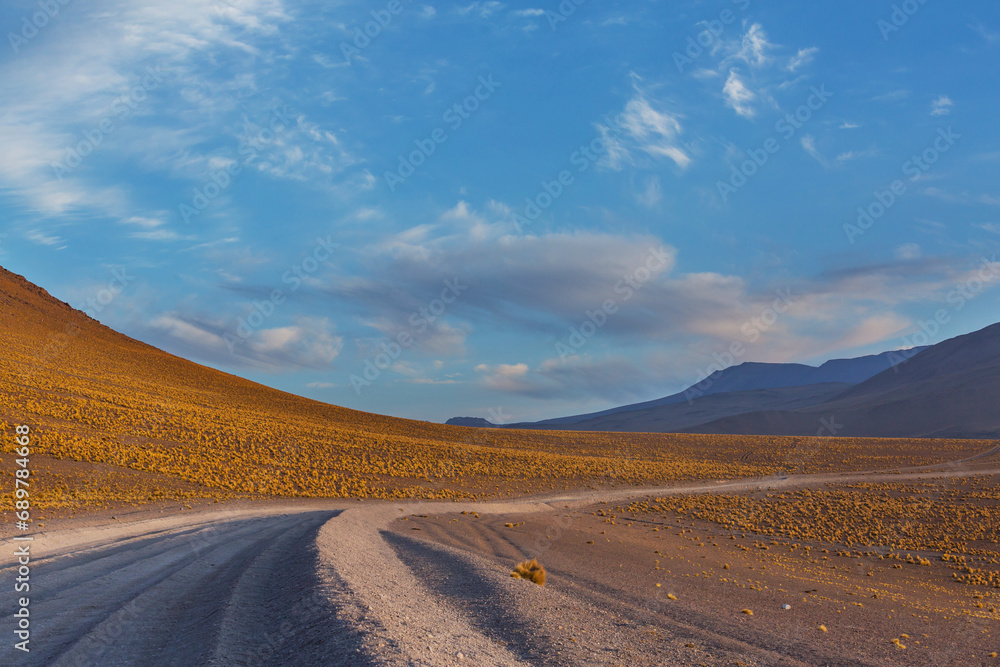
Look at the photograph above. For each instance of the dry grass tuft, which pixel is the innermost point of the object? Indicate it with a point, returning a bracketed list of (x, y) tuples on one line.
[(531, 570)]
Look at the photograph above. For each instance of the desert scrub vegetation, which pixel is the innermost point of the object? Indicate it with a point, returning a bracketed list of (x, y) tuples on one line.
[(530, 570), (93, 395), (70, 485), (916, 517), (957, 522)]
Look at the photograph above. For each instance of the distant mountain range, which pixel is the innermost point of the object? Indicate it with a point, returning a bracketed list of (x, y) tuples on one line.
[(951, 389)]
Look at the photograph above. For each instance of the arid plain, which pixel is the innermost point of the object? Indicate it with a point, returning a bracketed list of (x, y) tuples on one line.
[(659, 548)]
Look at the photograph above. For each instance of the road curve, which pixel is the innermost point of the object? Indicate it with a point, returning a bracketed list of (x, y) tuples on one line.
[(189, 590), (288, 584)]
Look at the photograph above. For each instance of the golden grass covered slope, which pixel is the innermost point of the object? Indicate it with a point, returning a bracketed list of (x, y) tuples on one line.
[(93, 395)]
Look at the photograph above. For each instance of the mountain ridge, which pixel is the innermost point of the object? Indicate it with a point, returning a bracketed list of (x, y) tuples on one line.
[(747, 376), (947, 390)]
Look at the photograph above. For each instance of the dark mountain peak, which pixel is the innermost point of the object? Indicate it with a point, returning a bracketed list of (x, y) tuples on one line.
[(476, 422)]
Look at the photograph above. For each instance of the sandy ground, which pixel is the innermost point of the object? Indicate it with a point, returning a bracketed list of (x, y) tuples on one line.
[(379, 583)]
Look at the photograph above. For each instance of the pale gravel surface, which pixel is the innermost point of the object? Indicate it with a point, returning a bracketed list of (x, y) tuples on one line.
[(549, 626), (401, 623), (317, 583)]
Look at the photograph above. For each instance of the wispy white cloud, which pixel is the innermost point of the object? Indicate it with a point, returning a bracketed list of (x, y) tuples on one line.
[(705, 73), (331, 63), (41, 238), (847, 156), (738, 96), (965, 198), (755, 47), (171, 126), (651, 193), (620, 19), (942, 106), (802, 58), (892, 96), (991, 36), (433, 381), (646, 127), (809, 146), (655, 131), (755, 69), (481, 9), (808, 143), (145, 222)]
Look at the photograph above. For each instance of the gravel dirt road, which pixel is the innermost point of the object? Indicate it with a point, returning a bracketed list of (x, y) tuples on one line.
[(339, 583)]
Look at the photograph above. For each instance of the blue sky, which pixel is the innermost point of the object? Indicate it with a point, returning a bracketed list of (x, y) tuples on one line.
[(504, 210)]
